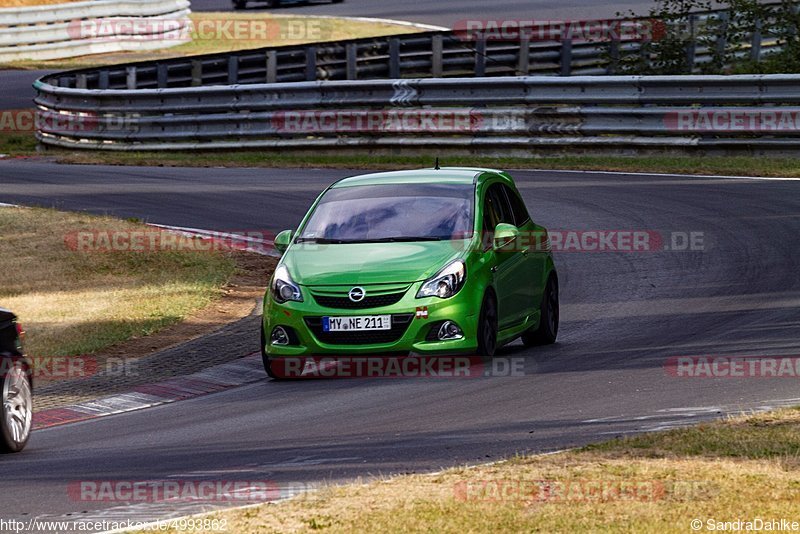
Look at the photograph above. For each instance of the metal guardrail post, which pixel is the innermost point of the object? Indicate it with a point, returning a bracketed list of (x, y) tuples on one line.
[(162, 76), (437, 52), (272, 66), (197, 73), (80, 81), (130, 78), (691, 47), (102, 79), (352, 61), (233, 70), (755, 41), (613, 53), (722, 38), (394, 57), (524, 62), (566, 57), (311, 63), (480, 57)]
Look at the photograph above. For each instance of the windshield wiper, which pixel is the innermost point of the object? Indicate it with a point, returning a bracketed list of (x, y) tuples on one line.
[(321, 240), (399, 239)]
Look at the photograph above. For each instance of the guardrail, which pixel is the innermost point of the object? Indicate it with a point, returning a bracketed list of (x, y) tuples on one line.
[(424, 90), (93, 27), (623, 112), (459, 53)]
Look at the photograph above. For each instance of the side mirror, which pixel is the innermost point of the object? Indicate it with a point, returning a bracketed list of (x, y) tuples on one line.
[(282, 241), (505, 235)]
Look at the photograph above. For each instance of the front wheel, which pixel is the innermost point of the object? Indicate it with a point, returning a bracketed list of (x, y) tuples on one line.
[(17, 418), (547, 332), (264, 356), (487, 326)]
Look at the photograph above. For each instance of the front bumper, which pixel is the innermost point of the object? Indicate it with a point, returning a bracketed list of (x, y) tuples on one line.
[(409, 328)]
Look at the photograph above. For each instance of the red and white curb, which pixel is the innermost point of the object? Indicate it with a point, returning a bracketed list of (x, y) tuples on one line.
[(265, 247), (237, 373)]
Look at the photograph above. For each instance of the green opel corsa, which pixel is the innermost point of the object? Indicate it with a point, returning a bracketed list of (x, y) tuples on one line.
[(434, 261)]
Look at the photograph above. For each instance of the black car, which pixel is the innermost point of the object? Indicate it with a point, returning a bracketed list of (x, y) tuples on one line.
[(16, 386), (241, 4)]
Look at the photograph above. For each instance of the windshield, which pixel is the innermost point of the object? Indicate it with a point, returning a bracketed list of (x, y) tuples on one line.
[(407, 212)]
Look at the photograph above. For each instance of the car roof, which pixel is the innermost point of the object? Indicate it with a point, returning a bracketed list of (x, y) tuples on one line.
[(445, 175)]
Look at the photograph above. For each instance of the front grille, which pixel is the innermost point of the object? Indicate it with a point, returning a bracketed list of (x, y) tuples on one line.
[(400, 324), (370, 301)]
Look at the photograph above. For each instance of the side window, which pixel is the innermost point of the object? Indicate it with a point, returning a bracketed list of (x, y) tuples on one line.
[(518, 210), (496, 208)]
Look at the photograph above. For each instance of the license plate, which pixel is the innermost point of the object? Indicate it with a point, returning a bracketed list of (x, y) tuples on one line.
[(359, 323)]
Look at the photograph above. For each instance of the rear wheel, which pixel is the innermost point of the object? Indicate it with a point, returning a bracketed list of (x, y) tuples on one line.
[(16, 420), (547, 332), (487, 326)]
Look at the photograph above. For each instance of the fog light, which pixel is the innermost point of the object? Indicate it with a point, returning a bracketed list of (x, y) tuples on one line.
[(279, 336), (449, 330)]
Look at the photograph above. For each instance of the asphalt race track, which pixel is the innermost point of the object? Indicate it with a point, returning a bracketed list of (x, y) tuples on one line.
[(446, 12), (624, 314), (16, 91)]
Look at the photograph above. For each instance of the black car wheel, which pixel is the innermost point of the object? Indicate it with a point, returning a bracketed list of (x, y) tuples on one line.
[(547, 332), (17, 396), (487, 326), (264, 356)]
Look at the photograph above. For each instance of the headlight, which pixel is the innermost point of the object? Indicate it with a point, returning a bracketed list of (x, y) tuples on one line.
[(446, 283), (283, 287)]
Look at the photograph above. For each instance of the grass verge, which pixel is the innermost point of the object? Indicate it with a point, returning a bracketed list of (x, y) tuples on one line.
[(24, 144), (78, 302), (737, 166), (741, 468), (215, 32)]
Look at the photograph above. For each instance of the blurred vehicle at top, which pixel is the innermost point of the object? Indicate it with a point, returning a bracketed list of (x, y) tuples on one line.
[(242, 4)]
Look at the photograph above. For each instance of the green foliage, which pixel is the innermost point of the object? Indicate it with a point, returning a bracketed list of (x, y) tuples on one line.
[(726, 37)]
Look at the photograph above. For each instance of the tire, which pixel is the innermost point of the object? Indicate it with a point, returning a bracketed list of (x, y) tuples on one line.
[(17, 413), (487, 326), (273, 3), (239, 4), (265, 357), (547, 331)]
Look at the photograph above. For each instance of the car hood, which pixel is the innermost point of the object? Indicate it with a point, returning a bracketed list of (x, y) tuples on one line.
[(369, 263)]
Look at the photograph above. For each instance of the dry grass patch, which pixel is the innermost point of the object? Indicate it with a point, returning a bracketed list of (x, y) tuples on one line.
[(226, 32), (742, 468), (74, 303)]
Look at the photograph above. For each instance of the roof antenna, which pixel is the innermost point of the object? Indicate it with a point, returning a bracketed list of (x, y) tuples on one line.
[(437, 168)]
